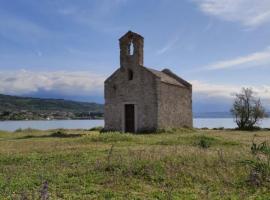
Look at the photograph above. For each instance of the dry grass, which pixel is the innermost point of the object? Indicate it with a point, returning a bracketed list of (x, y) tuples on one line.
[(80, 164)]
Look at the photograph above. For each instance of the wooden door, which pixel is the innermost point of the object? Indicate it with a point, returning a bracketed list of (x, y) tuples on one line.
[(129, 118)]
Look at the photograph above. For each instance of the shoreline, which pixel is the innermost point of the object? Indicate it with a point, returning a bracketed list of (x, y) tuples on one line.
[(200, 123)]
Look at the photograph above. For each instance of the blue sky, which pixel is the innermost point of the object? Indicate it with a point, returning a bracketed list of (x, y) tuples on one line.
[(66, 48)]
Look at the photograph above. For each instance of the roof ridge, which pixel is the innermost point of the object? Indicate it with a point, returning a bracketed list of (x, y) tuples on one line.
[(176, 77), (165, 77), (130, 33)]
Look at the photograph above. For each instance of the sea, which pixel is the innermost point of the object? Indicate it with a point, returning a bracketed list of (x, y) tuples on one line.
[(88, 124)]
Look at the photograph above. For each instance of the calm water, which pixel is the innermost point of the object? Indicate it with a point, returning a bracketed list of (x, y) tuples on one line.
[(86, 124), (53, 124)]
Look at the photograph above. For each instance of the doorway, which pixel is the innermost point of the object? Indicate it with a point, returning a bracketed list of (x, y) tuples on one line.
[(129, 118)]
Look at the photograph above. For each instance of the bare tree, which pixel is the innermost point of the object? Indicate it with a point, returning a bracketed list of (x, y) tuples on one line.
[(247, 109)]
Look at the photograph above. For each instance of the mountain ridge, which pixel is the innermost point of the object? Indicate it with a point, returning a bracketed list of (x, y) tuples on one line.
[(21, 108)]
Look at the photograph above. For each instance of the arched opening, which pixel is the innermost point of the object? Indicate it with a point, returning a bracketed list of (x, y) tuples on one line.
[(130, 74), (131, 48)]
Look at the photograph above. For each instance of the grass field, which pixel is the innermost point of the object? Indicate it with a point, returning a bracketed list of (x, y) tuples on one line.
[(176, 164)]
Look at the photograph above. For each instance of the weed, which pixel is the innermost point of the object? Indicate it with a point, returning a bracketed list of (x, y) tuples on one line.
[(109, 159), (110, 137), (260, 164), (44, 194)]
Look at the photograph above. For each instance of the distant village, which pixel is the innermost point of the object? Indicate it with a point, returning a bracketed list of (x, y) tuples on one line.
[(48, 115)]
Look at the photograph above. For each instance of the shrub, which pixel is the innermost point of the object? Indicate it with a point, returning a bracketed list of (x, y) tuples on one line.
[(18, 130), (219, 128), (204, 141), (97, 128), (25, 130), (61, 134)]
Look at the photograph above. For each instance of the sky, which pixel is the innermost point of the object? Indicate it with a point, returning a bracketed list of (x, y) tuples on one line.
[(66, 48)]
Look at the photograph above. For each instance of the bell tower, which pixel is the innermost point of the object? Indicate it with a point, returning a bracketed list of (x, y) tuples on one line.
[(131, 49)]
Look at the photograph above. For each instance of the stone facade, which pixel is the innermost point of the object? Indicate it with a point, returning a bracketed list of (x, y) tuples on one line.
[(139, 99)]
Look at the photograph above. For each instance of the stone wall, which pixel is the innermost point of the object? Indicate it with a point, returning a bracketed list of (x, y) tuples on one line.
[(174, 106), (140, 91)]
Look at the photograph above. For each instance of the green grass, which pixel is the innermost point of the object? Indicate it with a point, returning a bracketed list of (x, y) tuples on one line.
[(172, 164)]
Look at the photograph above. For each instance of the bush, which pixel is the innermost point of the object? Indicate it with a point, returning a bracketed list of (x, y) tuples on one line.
[(204, 141), (255, 128), (219, 128), (19, 130), (61, 134)]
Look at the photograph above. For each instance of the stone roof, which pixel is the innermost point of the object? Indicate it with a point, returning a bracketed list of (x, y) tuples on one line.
[(165, 76), (169, 77), (131, 34)]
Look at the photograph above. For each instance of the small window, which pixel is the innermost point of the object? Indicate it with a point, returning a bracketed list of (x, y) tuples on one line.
[(114, 87), (131, 49), (130, 74)]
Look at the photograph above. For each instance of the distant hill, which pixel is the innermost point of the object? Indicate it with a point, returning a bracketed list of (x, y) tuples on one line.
[(16, 108), (212, 115), (8, 102)]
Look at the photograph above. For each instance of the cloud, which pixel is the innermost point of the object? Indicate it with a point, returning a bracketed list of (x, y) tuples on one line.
[(250, 13), (85, 83), (24, 82), (226, 92), (257, 59), (168, 46)]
